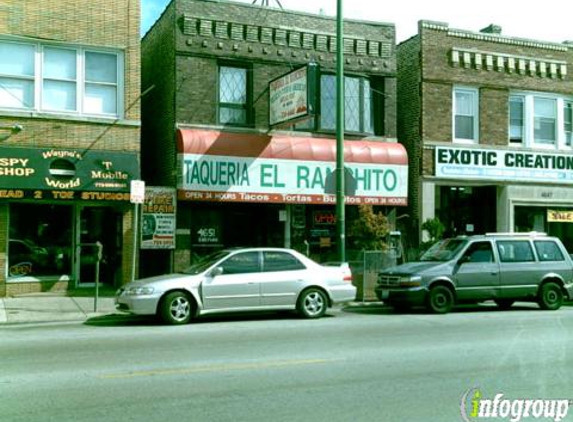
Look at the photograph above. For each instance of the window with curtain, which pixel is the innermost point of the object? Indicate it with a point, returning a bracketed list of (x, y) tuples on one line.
[(568, 122), (516, 119), (465, 114), (545, 120)]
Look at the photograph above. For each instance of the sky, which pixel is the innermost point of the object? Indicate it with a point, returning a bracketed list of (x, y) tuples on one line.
[(517, 18)]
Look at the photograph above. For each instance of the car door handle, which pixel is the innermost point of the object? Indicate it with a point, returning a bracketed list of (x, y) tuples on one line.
[(494, 273)]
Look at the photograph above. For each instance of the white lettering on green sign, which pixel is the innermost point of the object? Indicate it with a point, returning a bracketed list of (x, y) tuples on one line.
[(216, 173)]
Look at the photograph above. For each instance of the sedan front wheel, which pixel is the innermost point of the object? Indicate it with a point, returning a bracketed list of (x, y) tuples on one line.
[(176, 308), (312, 303)]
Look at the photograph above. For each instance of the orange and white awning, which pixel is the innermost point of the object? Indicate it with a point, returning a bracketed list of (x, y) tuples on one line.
[(236, 167)]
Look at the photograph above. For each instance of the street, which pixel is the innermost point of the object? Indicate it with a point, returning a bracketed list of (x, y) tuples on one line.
[(357, 364)]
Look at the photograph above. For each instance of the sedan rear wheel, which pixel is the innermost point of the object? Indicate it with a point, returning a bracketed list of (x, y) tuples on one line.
[(312, 303), (550, 296), (176, 308)]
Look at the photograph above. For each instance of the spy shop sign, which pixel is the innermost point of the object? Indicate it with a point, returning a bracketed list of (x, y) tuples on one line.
[(503, 164)]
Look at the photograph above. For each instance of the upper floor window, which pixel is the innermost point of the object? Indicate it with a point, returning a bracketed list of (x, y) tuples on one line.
[(233, 95), (545, 120), (516, 119), (466, 107), (540, 120), (363, 99), (568, 122), (68, 80), (357, 104)]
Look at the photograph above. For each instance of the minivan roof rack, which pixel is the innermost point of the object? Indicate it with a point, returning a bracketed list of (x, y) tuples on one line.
[(532, 233)]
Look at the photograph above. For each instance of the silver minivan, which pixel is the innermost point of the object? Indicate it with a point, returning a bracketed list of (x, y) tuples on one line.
[(504, 267)]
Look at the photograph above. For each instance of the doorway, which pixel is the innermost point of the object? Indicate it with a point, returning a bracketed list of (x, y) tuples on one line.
[(104, 225)]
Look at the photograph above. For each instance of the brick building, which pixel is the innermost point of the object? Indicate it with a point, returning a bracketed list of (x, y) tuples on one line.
[(69, 141), (206, 129), (487, 122)]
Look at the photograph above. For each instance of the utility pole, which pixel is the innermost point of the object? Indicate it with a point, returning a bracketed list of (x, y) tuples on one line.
[(340, 189)]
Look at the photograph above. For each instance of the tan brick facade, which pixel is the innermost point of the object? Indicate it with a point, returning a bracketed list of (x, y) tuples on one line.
[(440, 58), (97, 24)]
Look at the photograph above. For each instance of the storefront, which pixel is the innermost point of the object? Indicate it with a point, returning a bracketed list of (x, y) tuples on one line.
[(477, 190), (55, 205), (238, 189)]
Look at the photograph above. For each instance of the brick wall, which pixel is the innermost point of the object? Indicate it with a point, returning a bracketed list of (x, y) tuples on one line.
[(158, 105), (409, 120), (95, 23)]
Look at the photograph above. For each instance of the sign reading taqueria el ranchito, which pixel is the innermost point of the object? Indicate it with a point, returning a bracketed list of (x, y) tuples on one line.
[(455, 162), (67, 169)]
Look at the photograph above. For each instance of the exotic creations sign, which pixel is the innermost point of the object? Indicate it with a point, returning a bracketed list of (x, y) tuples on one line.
[(158, 218), (66, 174), (243, 179), (514, 165), (292, 97)]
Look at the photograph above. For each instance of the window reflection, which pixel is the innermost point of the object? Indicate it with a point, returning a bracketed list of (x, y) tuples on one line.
[(40, 240)]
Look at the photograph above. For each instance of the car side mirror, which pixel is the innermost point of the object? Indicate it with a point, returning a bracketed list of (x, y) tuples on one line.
[(215, 272)]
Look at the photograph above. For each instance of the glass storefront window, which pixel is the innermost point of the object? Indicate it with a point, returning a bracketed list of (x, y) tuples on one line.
[(40, 240)]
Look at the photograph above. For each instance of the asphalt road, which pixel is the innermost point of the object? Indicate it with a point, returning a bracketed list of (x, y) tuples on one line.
[(358, 364)]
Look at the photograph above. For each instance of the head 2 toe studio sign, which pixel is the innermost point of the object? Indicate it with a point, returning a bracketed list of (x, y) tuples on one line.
[(67, 172)]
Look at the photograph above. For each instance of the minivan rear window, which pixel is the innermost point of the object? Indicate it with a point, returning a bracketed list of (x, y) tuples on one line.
[(548, 250)]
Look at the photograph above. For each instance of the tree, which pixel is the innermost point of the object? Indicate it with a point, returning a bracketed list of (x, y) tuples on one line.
[(370, 229)]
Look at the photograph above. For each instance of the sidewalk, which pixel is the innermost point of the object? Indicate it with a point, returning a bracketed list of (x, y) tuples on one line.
[(53, 307)]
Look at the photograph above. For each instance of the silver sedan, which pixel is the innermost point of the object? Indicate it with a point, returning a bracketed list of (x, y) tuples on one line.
[(249, 279)]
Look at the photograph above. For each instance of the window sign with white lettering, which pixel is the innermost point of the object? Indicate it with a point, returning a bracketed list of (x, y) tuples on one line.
[(493, 164)]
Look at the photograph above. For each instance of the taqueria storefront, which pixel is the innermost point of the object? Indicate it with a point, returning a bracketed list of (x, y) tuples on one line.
[(245, 189), (55, 205)]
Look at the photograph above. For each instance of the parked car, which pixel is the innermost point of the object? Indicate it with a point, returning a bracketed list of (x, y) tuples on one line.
[(501, 267), (247, 279)]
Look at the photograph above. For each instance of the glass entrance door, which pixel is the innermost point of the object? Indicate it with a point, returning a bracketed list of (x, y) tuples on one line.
[(99, 224)]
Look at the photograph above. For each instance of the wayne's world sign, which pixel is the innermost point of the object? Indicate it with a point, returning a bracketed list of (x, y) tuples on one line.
[(241, 179), (473, 163), (67, 170)]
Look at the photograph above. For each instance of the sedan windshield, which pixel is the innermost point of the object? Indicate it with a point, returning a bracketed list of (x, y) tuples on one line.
[(444, 250), (204, 263)]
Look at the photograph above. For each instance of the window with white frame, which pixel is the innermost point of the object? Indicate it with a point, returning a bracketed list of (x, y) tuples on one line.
[(516, 119), (60, 79), (544, 120), (540, 120), (568, 122), (466, 108)]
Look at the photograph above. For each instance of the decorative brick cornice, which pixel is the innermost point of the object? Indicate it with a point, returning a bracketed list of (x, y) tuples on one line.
[(493, 38), (281, 37), (507, 63)]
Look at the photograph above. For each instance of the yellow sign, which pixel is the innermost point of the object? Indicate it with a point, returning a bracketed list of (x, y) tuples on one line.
[(554, 216)]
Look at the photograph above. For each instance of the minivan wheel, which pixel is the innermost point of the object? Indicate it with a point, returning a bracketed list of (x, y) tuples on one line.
[(504, 303), (550, 296), (440, 300), (312, 303), (176, 308)]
